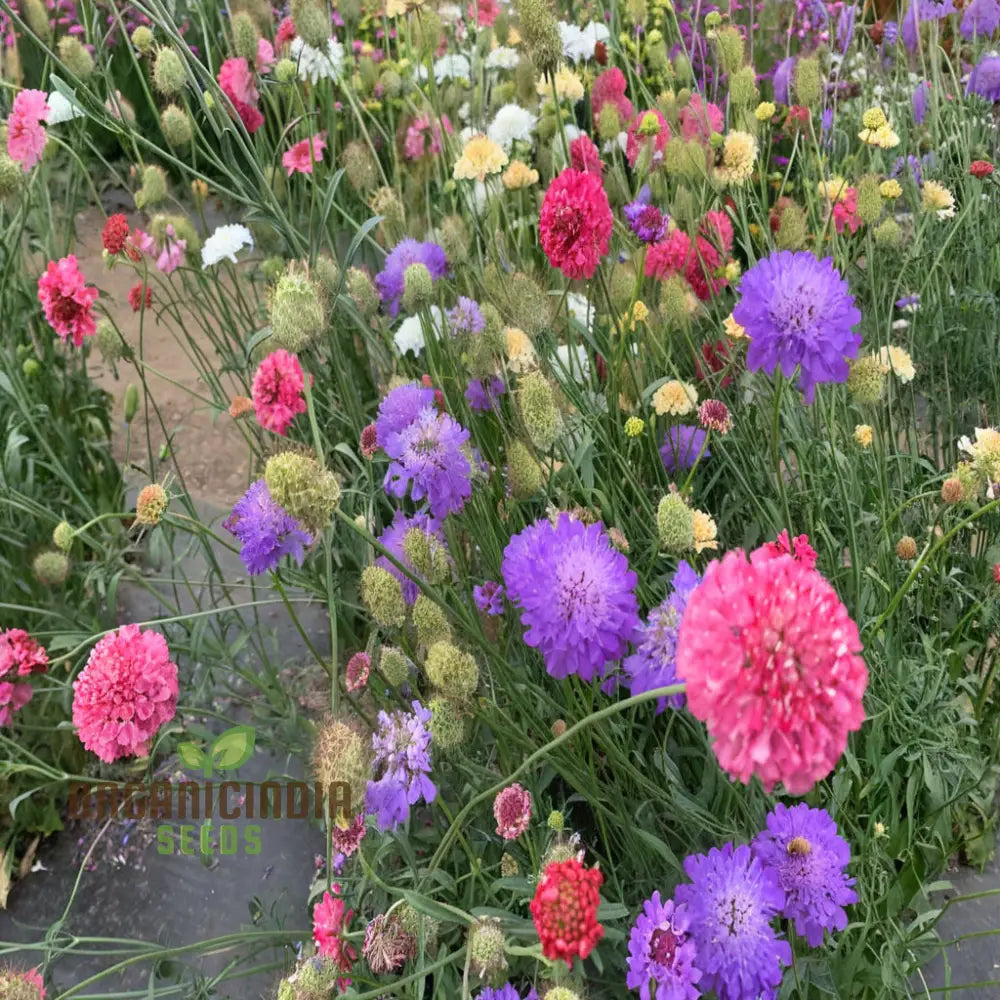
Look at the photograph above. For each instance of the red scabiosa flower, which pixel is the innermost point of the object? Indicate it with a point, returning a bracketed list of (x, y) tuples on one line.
[(115, 233), (277, 391), (610, 88), (565, 910), (329, 926), (713, 415), (980, 169), (512, 811), (137, 300), (770, 657), (585, 156), (369, 441), (576, 223)]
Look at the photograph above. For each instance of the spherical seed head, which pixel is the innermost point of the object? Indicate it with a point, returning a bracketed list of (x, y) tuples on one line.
[(873, 119), (454, 672), (428, 555), (176, 126), (418, 287), (417, 923), (538, 410), (362, 292), (524, 474), (307, 490), (634, 427), (448, 723), (328, 274), (150, 504), (312, 23), (169, 76), (387, 204), (509, 867), (315, 978), (729, 44), (75, 56), (153, 189), (50, 568), (17, 985), (675, 524), (561, 993), (808, 85), (62, 536), (430, 622), (394, 665), (360, 166), (486, 948), (37, 17), (540, 33), (286, 71), (609, 122), (454, 237), (530, 304), (866, 380), (559, 727), (341, 753), (743, 88), (11, 176), (556, 821), (561, 850), (952, 490), (142, 39), (383, 596), (906, 548), (297, 315), (869, 199), (245, 36), (793, 228)]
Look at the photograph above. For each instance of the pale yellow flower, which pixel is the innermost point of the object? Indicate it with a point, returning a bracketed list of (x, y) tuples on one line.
[(890, 189), (863, 435), (884, 137), (520, 351), (733, 270), (675, 398), (569, 87), (835, 189), (938, 199), (480, 157), (705, 531), (765, 111), (874, 118), (519, 175), (739, 154), (732, 328), (634, 426), (899, 361)]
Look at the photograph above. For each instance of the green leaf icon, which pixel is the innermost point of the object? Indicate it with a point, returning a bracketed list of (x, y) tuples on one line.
[(232, 748), (192, 755)]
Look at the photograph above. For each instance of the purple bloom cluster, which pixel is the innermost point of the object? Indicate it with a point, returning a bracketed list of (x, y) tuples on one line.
[(505, 992), (920, 11), (921, 93), (489, 597), (984, 80), (393, 537), (646, 220), (399, 409), (466, 317), (661, 951), (482, 395), (402, 752), (798, 312), (682, 447), (981, 17), (654, 662), (576, 594), (268, 532), (391, 279)]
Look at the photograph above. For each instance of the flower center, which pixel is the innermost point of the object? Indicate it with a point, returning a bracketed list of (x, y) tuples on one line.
[(663, 945), (798, 846)]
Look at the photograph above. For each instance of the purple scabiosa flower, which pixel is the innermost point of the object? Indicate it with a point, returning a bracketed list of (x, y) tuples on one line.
[(919, 100), (576, 594), (845, 27), (661, 953), (920, 11), (402, 753), (399, 409), (909, 303), (428, 458), (984, 80), (890, 33), (802, 847), (783, 79), (489, 597), (268, 532), (798, 312), (465, 317), (981, 17), (682, 447), (654, 662), (732, 900), (646, 220), (392, 538), (390, 280), (505, 992), (482, 394), (909, 165)]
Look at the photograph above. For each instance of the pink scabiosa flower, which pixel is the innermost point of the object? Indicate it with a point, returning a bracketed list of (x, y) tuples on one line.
[(576, 223), (610, 88), (512, 811), (67, 300), (301, 157), (700, 118), (770, 657), (277, 391), (585, 156), (169, 256), (20, 656), (265, 56), (647, 128), (484, 12), (25, 135), (127, 690), (237, 83), (329, 925), (357, 671), (845, 212)]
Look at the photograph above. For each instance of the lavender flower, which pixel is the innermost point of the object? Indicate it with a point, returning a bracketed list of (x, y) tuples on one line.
[(682, 447), (654, 662), (920, 11), (392, 538), (909, 164), (386, 801), (390, 280), (489, 597), (466, 318), (919, 101), (399, 409), (845, 27), (268, 532), (429, 459), (505, 992), (576, 594), (802, 847), (402, 750), (731, 901), (783, 79), (981, 17), (661, 952), (984, 80), (482, 395), (646, 220), (798, 312)]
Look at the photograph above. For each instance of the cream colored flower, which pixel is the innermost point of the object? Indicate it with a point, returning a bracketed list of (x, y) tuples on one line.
[(732, 328), (520, 351), (705, 531), (834, 190), (675, 398), (739, 154), (899, 361), (569, 87), (519, 175), (890, 189), (480, 157), (863, 435), (938, 199)]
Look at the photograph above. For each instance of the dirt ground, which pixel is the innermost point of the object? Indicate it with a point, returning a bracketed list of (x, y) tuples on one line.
[(207, 446)]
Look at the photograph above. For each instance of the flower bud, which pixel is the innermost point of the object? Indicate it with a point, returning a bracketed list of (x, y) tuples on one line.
[(869, 199), (36, 16), (75, 56), (729, 46), (524, 474), (540, 33), (866, 380), (131, 402), (906, 548), (448, 726), (142, 39), (312, 23), (176, 126), (150, 504), (541, 417), (296, 312), (286, 71), (394, 665), (362, 292), (154, 187), (418, 287), (245, 36), (62, 536), (486, 948), (169, 76), (360, 167), (808, 84), (11, 177)]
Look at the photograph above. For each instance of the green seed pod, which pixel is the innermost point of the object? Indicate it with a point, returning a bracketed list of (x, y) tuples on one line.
[(62, 536), (394, 665), (793, 229), (341, 753), (869, 199), (176, 126), (75, 56), (142, 39), (383, 597), (36, 17), (297, 315), (743, 88), (453, 672), (131, 402), (530, 305), (888, 235), (11, 177), (50, 568), (362, 292), (245, 37), (448, 725), (418, 287), (729, 46), (486, 948), (360, 167), (307, 490), (540, 32), (524, 474), (866, 380), (312, 22), (808, 83), (539, 412), (154, 188), (430, 622), (286, 71), (454, 237), (31, 367)]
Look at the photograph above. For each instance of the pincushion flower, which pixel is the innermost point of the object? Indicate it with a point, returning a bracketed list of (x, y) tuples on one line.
[(400, 407), (798, 312), (390, 281), (67, 301), (731, 903), (700, 118), (576, 594), (899, 361), (647, 221), (329, 928), (237, 82), (565, 910), (402, 760), (512, 811), (803, 849), (277, 391), (610, 87), (648, 129), (739, 155), (938, 199), (984, 80), (576, 223), (675, 398), (318, 64), (568, 86), (682, 446), (393, 537), (268, 532), (481, 156), (127, 690), (662, 961), (25, 135), (585, 156), (511, 124), (224, 244), (519, 175), (770, 657), (20, 656), (301, 157)]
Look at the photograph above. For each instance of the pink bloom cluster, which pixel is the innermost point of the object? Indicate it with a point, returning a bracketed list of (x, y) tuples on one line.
[(20, 656), (845, 212), (700, 261), (127, 690), (585, 156), (277, 391), (67, 300), (238, 84), (770, 658), (637, 141), (423, 137), (169, 255), (512, 811), (329, 924), (25, 135), (301, 157), (700, 118), (576, 223), (609, 88)]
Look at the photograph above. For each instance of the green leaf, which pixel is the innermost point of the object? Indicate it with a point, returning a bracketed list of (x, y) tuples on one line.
[(233, 748), (439, 911), (192, 755), (259, 336)]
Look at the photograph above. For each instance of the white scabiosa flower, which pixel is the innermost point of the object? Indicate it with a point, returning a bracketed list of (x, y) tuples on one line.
[(512, 124), (503, 57), (580, 309), (573, 361), (453, 66), (224, 244), (409, 335), (579, 43), (62, 110), (314, 64)]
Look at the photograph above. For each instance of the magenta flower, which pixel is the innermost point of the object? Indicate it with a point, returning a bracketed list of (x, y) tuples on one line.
[(301, 157)]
